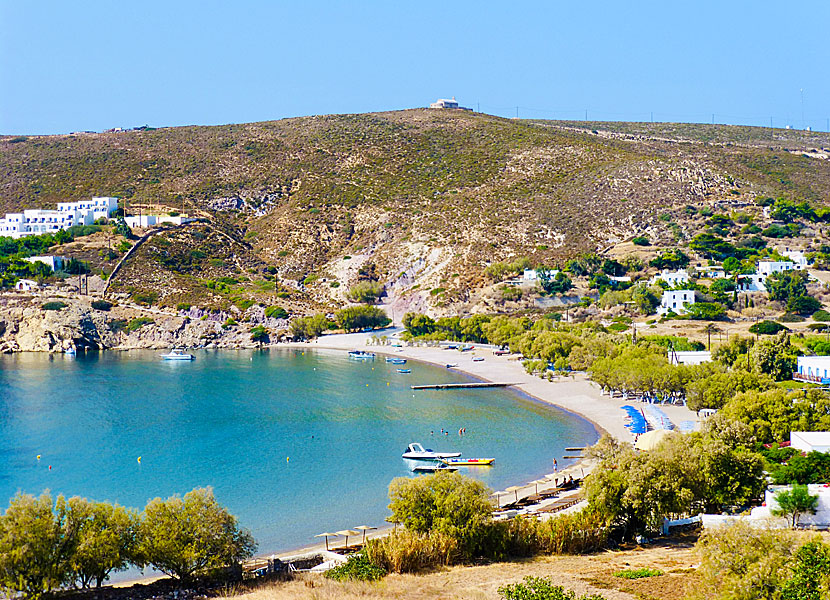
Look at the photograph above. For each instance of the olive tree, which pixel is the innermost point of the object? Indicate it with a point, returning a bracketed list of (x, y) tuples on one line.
[(795, 502), (185, 537)]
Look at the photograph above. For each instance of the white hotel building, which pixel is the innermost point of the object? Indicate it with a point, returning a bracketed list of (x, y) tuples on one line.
[(68, 214)]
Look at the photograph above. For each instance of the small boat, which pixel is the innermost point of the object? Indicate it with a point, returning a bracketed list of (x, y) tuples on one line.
[(404, 371), (469, 462), (361, 355), (432, 468), (396, 361), (70, 352), (451, 365), (478, 358), (178, 354), (417, 452)]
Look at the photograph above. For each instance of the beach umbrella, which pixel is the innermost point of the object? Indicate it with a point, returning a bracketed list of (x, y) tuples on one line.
[(364, 529), (651, 439), (514, 488), (538, 481), (326, 535), (347, 533)]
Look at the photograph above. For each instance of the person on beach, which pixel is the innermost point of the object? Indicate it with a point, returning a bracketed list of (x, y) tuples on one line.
[(554, 464)]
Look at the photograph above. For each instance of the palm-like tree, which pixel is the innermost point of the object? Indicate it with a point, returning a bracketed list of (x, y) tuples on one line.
[(709, 329)]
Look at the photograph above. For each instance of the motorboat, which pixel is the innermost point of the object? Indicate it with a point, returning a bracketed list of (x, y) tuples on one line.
[(451, 365), (70, 352), (433, 468), (361, 355), (178, 354), (404, 371), (416, 451), (396, 361), (469, 462), (478, 358)]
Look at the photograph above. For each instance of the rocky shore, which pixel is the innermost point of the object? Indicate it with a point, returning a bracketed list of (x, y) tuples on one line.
[(38, 323)]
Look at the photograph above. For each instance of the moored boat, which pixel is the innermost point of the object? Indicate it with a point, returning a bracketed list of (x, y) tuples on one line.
[(404, 371), (432, 468), (469, 462), (178, 354), (361, 355), (417, 452), (396, 361)]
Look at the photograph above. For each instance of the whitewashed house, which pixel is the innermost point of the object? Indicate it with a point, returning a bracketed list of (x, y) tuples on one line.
[(810, 441), (672, 278), (689, 357), (815, 369), (797, 257), (710, 272), (53, 262), (96, 208), (676, 301), (26, 285), (768, 267), (752, 282)]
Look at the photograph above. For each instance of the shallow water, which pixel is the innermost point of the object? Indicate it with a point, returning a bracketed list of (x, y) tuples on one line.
[(294, 443)]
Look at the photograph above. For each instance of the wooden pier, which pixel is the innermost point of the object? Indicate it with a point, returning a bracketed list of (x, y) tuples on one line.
[(456, 386)]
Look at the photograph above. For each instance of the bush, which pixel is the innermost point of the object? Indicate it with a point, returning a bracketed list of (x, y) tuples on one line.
[(276, 312), (356, 568), (822, 316), (145, 298), (767, 328), (101, 305), (365, 291), (53, 306), (183, 306), (706, 311), (354, 318), (638, 573), (137, 323), (540, 588), (641, 240), (803, 305), (259, 334)]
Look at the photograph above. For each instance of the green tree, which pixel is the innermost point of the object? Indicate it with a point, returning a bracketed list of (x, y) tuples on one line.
[(803, 305), (183, 537), (776, 357), (106, 540), (717, 389), (447, 503), (365, 291), (811, 573), (417, 324), (786, 284), (556, 284), (794, 502), (773, 414), (354, 318), (121, 228), (306, 328), (36, 543), (259, 334)]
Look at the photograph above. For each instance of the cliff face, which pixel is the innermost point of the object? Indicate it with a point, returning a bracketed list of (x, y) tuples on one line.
[(26, 327)]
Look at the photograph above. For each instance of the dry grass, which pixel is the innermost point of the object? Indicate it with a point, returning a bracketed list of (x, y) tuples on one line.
[(583, 574)]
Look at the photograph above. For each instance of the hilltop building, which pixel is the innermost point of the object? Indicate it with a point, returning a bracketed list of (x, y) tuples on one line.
[(768, 267), (39, 221), (797, 257), (444, 103), (144, 221), (672, 278), (676, 301)]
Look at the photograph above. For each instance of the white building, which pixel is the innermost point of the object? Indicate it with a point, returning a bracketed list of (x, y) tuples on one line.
[(710, 272), (810, 441), (672, 278), (40, 221), (752, 282), (676, 301), (53, 262), (815, 369), (26, 285), (768, 267), (797, 257), (761, 516), (444, 103), (689, 357), (144, 221)]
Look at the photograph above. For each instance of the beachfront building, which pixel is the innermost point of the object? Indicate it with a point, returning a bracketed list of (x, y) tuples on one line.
[(761, 516), (815, 369), (672, 278), (676, 301), (768, 267), (39, 221), (810, 441), (53, 262), (690, 357)]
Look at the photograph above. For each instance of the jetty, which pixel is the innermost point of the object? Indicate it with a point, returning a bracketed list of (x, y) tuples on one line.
[(456, 386)]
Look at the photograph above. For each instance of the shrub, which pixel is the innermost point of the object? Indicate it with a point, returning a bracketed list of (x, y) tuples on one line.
[(821, 315), (276, 312), (101, 305), (406, 551), (803, 305), (76, 267), (365, 291), (540, 588), (183, 306), (638, 573), (641, 240), (53, 306), (767, 328), (356, 568), (259, 334), (137, 323), (145, 298)]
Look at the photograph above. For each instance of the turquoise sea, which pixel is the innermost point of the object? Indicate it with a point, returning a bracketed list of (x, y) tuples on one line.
[(294, 443)]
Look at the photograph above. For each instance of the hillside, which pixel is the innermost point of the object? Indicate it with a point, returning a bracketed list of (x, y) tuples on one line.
[(421, 200)]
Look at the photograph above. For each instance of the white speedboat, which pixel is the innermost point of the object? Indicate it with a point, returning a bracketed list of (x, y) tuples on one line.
[(178, 354), (416, 451), (361, 355), (433, 468)]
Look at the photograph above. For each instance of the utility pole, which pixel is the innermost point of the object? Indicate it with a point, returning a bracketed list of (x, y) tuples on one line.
[(478, 106)]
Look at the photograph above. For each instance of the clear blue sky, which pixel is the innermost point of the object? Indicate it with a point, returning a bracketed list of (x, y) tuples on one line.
[(67, 66)]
